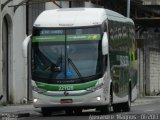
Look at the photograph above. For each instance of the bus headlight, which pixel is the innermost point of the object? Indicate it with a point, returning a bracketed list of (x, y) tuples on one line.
[(35, 100), (98, 98)]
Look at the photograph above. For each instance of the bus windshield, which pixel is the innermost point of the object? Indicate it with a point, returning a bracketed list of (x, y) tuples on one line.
[(66, 56)]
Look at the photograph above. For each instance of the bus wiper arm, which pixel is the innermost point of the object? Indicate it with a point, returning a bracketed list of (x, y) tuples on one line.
[(75, 68)]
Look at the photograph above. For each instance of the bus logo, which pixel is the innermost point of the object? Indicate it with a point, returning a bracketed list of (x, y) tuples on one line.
[(66, 93)]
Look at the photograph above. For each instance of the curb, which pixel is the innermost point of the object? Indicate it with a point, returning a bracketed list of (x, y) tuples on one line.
[(6, 116), (145, 101)]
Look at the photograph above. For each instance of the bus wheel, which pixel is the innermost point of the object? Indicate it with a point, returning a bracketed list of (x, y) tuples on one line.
[(105, 109), (127, 105), (117, 107), (78, 111), (46, 111), (69, 112)]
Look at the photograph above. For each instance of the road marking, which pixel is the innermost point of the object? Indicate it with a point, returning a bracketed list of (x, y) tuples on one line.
[(150, 110)]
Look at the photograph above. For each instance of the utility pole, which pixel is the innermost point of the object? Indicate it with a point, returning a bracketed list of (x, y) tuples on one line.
[(128, 8)]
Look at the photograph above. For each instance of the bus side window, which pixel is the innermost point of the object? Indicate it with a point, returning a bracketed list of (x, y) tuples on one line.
[(132, 58)]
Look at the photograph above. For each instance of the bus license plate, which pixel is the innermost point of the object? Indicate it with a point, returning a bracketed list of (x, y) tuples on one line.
[(66, 101)]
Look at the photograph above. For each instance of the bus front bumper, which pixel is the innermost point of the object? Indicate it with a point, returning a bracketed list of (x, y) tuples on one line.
[(92, 99)]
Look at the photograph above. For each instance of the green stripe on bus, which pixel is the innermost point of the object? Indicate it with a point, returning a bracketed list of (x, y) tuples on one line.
[(64, 97), (51, 38), (84, 37), (57, 87), (48, 38)]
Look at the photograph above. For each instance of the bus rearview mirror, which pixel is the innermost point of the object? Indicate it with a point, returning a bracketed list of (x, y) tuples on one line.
[(25, 46), (105, 44)]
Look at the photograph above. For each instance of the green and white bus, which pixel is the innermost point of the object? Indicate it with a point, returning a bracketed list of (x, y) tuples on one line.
[(82, 58)]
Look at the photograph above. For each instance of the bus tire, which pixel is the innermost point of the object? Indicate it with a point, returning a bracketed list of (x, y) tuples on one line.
[(69, 112), (127, 105), (117, 107), (111, 94), (105, 109), (46, 111), (78, 111)]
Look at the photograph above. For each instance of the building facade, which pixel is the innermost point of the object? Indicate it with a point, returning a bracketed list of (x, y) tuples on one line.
[(12, 33)]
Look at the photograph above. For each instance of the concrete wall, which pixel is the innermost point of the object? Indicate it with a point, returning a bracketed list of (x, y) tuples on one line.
[(149, 64), (17, 30), (140, 83), (9, 13), (19, 75), (154, 73), (141, 73)]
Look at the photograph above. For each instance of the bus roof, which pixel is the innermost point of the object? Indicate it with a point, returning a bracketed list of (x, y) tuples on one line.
[(72, 17), (111, 15)]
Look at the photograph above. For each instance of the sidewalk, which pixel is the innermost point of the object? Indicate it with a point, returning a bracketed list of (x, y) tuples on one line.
[(18, 110), (146, 100), (28, 109)]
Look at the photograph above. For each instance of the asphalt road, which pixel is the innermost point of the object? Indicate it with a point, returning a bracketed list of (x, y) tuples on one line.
[(138, 112)]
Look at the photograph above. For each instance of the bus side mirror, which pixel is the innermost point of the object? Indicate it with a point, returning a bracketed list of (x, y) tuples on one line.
[(105, 44), (25, 46)]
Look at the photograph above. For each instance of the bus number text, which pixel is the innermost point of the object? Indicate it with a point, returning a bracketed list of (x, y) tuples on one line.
[(63, 88)]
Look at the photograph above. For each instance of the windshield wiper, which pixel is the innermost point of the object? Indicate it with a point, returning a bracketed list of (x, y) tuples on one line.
[(50, 66), (75, 68), (57, 67)]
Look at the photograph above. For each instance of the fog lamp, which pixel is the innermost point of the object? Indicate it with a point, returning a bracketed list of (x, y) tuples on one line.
[(98, 98), (35, 100)]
